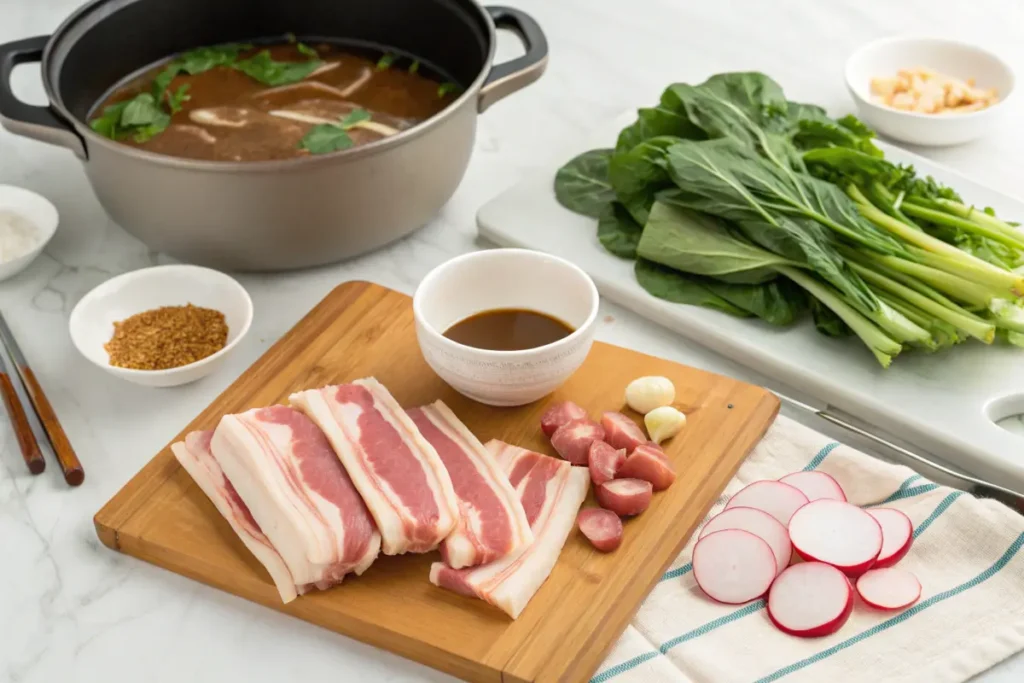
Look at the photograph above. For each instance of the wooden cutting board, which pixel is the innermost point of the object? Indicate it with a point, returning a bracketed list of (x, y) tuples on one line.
[(363, 329)]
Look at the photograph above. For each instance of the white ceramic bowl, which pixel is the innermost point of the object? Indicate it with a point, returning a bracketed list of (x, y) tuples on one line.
[(37, 210), (92, 320), (886, 56), (505, 278)]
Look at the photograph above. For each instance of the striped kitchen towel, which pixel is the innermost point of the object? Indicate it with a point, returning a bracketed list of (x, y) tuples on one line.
[(966, 553)]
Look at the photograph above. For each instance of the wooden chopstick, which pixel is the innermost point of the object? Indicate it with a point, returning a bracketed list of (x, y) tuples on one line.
[(74, 475), (22, 430)]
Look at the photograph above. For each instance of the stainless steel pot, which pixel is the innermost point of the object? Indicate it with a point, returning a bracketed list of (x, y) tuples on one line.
[(272, 215)]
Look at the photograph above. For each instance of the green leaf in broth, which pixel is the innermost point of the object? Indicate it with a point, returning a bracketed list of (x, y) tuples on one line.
[(357, 115), (618, 232), (386, 60), (205, 58), (306, 50), (324, 138), (143, 110), (108, 124), (448, 88), (582, 184), (176, 99), (269, 71), (414, 67)]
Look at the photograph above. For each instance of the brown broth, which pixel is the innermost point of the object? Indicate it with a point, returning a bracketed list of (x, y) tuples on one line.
[(235, 122), (508, 329)]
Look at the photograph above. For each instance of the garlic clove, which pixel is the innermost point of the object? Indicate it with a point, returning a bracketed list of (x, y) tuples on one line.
[(644, 394), (663, 423)]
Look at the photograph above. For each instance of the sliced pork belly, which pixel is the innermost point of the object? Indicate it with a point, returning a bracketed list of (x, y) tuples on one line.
[(194, 455), (492, 522), (552, 492), (284, 469), (397, 471)]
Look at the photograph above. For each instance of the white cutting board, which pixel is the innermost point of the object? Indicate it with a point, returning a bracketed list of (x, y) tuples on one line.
[(945, 403)]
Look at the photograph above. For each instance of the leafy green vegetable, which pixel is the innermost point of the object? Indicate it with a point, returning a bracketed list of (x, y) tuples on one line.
[(637, 175), (827, 322), (306, 50), (332, 137), (176, 99), (582, 184), (205, 58), (415, 66), (386, 60), (448, 88), (618, 232), (269, 71)]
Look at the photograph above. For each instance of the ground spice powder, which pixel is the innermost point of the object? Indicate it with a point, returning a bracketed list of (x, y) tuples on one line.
[(167, 337)]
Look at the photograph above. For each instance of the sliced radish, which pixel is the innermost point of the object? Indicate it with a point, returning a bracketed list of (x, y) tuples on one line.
[(733, 566), (621, 432), (777, 499), (558, 414), (838, 534), (815, 485), (604, 462), (810, 599), (759, 523), (650, 464), (889, 589), (897, 536), (603, 528), (572, 440), (624, 497)]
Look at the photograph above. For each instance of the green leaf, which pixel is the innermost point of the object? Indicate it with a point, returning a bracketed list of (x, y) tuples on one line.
[(668, 119), (386, 60), (618, 232), (306, 50), (324, 138), (414, 67), (638, 174), (827, 322), (703, 245), (671, 285), (448, 88), (162, 81), (357, 115), (269, 71), (582, 184), (142, 110), (176, 99), (205, 58)]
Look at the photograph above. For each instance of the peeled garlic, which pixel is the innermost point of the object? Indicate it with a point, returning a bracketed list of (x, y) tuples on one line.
[(664, 423), (644, 394)]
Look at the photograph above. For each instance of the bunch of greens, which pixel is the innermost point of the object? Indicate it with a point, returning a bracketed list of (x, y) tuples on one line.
[(149, 112), (730, 196)]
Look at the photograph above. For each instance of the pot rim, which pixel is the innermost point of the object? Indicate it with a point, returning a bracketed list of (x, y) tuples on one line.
[(91, 137)]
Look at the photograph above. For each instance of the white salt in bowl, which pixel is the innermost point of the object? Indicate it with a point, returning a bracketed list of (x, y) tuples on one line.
[(38, 211), (92, 320), (505, 279)]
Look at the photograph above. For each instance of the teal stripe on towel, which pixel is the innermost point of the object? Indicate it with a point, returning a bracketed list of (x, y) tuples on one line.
[(822, 454), (900, 618), (752, 608)]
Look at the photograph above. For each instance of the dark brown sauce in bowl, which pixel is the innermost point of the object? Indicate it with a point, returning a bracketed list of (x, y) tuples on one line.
[(508, 329), (266, 102)]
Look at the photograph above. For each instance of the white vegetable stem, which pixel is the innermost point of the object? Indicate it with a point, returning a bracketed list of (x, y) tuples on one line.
[(644, 394), (663, 423)]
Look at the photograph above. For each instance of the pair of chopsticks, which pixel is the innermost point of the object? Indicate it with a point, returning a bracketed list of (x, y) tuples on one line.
[(15, 386)]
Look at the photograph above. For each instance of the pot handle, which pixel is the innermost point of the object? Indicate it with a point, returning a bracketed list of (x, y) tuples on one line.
[(508, 77), (39, 123)]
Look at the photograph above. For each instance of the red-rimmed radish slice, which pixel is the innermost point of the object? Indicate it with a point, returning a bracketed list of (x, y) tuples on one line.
[(777, 499), (759, 523), (650, 464), (572, 440), (604, 462), (810, 599), (558, 414), (624, 497), (621, 432), (603, 528), (733, 566), (815, 485), (897, 536), (838, 534), (889, 589)]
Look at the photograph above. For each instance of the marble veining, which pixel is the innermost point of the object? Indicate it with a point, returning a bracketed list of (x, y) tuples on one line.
[(74, 611)]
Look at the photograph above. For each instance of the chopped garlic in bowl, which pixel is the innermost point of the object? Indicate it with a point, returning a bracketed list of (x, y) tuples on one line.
[(18, 235), (926, 91)]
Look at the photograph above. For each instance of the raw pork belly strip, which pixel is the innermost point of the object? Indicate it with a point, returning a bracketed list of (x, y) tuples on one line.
[(397, 471), (552, 492), (194, 455), (298, 493), (492, 522)]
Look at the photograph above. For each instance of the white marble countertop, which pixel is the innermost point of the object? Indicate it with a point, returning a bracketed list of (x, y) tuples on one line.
[(73, 610)]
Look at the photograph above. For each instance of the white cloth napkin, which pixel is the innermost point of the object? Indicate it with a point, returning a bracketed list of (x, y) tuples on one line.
[(966, 553)]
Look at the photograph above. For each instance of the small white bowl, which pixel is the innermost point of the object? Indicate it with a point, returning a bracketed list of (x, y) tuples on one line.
[(38, 211), (496, 279), (92, 320), (886, 56)]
